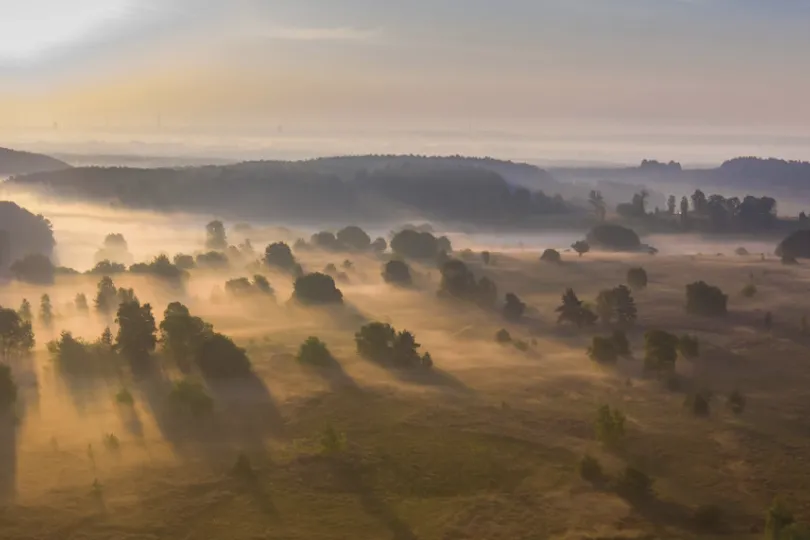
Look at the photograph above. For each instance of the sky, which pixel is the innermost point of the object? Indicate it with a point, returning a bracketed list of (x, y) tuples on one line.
[(241, 67)]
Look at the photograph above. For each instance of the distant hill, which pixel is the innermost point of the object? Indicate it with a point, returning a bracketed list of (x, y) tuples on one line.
[(350, 189), (13, 162)]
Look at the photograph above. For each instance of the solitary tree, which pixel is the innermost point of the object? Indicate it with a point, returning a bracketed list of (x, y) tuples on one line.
[(215, 238), (637, 278), (603, 350), (314, 352), (671, 205), (354, 238), (660, 351), (106, 297), (581, 247), (25, 312), (572, 310), (379, 245), (551, 255), (704, 299), (397, 272), (513, 309), (280, 255), (317, 288)]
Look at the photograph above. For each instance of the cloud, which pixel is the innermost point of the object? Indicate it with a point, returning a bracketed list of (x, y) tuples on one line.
[(322, 34)]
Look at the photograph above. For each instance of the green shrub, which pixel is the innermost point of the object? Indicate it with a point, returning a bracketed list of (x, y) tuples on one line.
[(590, 469), (609, 425), (190, 396), (314, 352)]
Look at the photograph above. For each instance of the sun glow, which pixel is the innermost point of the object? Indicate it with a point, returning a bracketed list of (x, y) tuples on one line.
[(32, 28)]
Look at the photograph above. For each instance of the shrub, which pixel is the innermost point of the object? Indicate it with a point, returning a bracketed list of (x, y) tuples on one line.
[(590, 469), (581, 247), (660, 351), (741, 251), (634, 484), (574, 311), (397, 272), (35, 268), (317, 288), (218, 357), (190, 396), (503, 336), (551, 256), (314, 352), (689, 346), (698, 404), (427, 361), (708, 516), (736, 402), (354, 238), (637, 278), (749, 291), (613, 237), (8, 390), (705, 299), (609, 425), (111, 442), (603, 350), (513, 309), (795, 245)]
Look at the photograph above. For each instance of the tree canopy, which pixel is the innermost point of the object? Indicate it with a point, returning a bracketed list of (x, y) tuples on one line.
[(316, 288)]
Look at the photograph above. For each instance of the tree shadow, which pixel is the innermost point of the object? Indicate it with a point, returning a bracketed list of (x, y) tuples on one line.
[(8, 456), (335, 376), (350, 476), (431, 377)]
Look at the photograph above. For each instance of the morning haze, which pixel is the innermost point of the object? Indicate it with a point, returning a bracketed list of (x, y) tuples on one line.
[(410, 270)]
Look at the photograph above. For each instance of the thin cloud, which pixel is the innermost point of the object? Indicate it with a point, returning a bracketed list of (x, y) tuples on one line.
[(323, 34)]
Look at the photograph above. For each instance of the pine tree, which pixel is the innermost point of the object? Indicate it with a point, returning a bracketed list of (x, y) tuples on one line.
[(573, 311), (46, 310), (626, 312), (25, 312)]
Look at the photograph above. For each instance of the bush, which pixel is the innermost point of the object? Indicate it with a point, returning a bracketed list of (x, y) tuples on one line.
[(603, 350), (634, 484), (513, 309), (8, 390), (708, 516), (36, 268), (736, 402), (218, 357), (609, 425), (590, 469), (521, 345), (551, 256), (614, 237), (796, 245), (315, 289), (749, 291), (705, 299), (660, 351), (244, 288), (637, 278), (689, 346), (381, 343), (190, 397), (698, 404), (503, 336), (354, 238), (397, 272), (314, 352)]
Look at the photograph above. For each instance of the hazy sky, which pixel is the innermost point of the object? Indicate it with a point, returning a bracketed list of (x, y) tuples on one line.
[(238, 64)]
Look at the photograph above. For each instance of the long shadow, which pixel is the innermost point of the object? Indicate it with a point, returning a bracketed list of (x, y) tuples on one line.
[(350, 477), (431, 377), (334, 374), (8, 456)]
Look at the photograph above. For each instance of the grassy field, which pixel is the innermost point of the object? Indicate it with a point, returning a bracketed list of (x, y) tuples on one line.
[(485, 447)]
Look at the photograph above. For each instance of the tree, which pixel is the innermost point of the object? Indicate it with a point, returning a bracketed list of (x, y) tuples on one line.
[(609, 425), (637, 278), (551, 255), (513, 309), (671, 205), (635, 484), (415, 245), (381, 343), (573, 311), (486, 257), (45, 310), (698, 404), (16, 334), (184, 261), (354, 238), (597, 202), (325, 240), (35, 268), (107, 268), (486, 293), (25, 312), (316, 289), (280, 255), (181, 334), (136, 332), (106, 296), (581, 247), (114, 249), (603, 350), (218, 357), (699, 202), (613, 237), (397, 272), (606, 305), (126, 295), (379, 245), (625, 306), (684, 211), (263, 286), (160, 267), (314, 352), (660, 351), (503, 336), (216, 260), (704, 299), (8, 389), (215, 238)]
